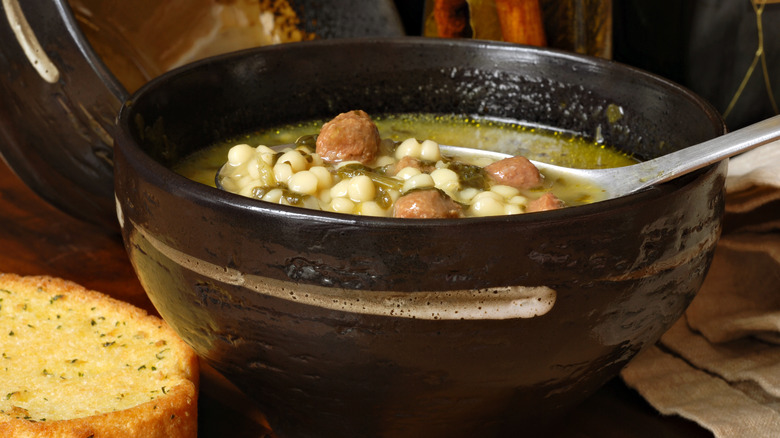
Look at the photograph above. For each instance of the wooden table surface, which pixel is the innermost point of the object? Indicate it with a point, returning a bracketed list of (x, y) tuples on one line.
[(37, 239)]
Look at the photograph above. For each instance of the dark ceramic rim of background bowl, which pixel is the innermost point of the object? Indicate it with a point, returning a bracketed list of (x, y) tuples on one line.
[(162, 176)]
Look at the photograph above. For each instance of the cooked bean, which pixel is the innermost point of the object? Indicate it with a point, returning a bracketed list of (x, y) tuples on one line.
[(303, 182), (420, 181), (487, 206), (294, 159), (348, 179), (505, 191), (324, 177), (371, 208), (283, 172), (408, 148), (340, 189), (342, 205), (429, 151), (445, 179), (408, 172), (240, 153), (273, 195), (361, 188)]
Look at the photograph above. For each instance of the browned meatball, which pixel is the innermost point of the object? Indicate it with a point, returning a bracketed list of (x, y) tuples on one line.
[(351, 136), (426, 204), (517, 172), (548, 201)]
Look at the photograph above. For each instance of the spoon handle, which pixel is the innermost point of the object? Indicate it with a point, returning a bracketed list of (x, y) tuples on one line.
[(686, 160)]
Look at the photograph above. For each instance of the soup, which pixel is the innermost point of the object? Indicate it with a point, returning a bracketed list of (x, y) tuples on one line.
[(402, 176)]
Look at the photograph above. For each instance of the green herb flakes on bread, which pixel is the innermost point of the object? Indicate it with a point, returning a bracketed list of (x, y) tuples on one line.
[(77, 363)]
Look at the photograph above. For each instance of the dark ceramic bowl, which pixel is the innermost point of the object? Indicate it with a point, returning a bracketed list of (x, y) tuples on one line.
[(342, 325), (59, 101)]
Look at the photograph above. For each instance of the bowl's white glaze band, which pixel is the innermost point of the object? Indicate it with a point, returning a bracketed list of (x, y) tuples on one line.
[(489, 303), (27, 39)]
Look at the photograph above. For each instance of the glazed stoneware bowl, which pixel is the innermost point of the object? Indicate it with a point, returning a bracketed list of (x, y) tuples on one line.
[(342, 325)]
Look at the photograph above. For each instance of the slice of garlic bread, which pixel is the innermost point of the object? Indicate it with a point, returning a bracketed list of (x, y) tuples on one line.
[(77, 363)]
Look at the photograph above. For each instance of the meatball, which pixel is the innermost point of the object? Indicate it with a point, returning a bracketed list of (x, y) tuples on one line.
[(548, 201), (350, 136), (517, 172), (426, 204)]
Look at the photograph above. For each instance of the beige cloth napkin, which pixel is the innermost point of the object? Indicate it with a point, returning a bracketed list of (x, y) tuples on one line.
[(719, 365)]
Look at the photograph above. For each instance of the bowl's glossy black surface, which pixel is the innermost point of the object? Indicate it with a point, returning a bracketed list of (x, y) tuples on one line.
[(57, 129), (343, 325)]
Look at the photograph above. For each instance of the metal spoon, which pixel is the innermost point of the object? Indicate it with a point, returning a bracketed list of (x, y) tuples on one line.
[(621, 181)]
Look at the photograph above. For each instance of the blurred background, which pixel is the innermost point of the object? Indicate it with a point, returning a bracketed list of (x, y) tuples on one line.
[(57, 134), (726, 51)]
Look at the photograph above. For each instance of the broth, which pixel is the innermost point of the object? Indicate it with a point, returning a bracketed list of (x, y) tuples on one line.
[(498, 135)]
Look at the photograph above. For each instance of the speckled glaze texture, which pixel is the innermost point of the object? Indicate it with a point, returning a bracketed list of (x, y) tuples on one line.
[(354, 326)]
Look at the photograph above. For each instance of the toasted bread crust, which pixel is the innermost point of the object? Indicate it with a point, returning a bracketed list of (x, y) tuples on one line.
[(28, 308)]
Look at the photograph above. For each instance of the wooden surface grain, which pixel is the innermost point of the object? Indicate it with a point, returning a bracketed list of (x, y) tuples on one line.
[(37, 239)]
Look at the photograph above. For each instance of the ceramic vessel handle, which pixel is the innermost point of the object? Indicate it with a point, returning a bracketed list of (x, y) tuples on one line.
[(26, 38)]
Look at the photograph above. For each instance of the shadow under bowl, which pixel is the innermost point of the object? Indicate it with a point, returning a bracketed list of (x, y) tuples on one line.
[(342, 325)]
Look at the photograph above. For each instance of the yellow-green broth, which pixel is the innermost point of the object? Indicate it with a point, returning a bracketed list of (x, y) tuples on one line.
[(552, 147)]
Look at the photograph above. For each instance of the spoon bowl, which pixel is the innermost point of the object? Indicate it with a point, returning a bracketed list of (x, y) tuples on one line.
[(621, 181)]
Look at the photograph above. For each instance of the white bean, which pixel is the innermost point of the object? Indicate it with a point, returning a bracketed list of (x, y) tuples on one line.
[(273, 195), (346, 163), (263, 149), (324, 177), (429, 150), (303, 182), (487, 206), (324, 196), (243, 180), (467, 194), (341, 189), (420, 181), (371, 208), (512, 209), (247, 189), (361, 188), (283, 172), (253, 169), (240, 153), (394, 194), (342, 205), (446, 179), (407, 172), (384, 160), (484, 195), (295, 159), (518, 200), (504, 191), (268, 158), (316, 160), (409, 147)]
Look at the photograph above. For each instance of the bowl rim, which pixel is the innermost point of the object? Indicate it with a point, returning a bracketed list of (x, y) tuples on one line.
[(162, 176)]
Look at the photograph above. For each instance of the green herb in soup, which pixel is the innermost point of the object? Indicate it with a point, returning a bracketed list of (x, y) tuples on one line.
[(378, 167)]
